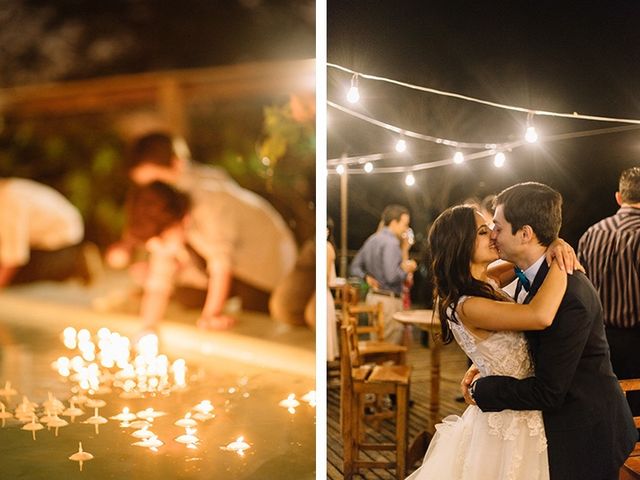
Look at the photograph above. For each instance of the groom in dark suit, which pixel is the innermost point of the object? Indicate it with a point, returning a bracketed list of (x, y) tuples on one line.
[(588, 424)]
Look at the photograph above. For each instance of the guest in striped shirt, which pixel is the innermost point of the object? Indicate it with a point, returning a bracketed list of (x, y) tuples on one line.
[(610, 252)]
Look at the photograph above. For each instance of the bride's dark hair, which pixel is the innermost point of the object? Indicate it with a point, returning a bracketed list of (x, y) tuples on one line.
[(452, 239)]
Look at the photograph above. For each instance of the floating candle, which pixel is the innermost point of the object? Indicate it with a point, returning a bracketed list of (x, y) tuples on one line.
[(290, 403), (187, 421), (310, 398), (238, 446), (33, 426), (81, 456), (189, 438)]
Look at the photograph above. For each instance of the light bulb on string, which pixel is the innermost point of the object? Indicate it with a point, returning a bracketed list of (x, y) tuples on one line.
[(530, 135), (401, 146), (368, 167), (410, 180), (353, 95), (340, 169), (499, 159), (458, 157)]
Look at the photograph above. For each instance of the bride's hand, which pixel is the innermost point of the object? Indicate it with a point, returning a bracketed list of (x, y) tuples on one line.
[(467, 380), (565, 255)]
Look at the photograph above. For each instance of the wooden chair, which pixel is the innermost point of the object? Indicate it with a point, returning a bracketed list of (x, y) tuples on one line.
[(358, 381), (631, 468), (374, 350), (345, 295)]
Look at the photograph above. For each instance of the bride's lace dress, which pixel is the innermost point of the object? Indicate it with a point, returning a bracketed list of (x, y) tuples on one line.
[(507, 445)]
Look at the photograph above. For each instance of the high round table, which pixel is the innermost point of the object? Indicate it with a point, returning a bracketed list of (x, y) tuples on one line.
[(426, 321)]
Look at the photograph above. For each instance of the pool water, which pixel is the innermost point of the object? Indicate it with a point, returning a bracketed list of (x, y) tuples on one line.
[(245, 400)]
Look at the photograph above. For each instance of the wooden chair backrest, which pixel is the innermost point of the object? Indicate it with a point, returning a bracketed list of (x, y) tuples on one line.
[(346, 295), (374, 315), (631, 385)]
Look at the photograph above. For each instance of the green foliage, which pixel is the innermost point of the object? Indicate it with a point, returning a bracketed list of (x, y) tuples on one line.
[(81, 157)]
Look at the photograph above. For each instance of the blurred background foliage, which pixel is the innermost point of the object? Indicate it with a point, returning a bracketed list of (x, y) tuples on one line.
[(82, 155)]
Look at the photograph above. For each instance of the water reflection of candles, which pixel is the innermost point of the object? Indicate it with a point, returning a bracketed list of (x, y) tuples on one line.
[(96, 420), (187, 421), (7, 391), (310, 398), (144, 432), (290, 403), (189, 438), (81, 456), (238, 446), (125, 417), (152, 443), (203, 411), (4, 415)]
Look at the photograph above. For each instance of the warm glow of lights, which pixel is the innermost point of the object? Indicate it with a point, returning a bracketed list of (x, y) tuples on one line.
[(189, 438), (353, 95), (310, 398), (499, 159), (340, 169), (401, 146), (290, 403), (531, 135), (368, 167), (410, 180), (238, 446), (69, 337), (458, 157), (84, 336), (179, 370), (187, 421)]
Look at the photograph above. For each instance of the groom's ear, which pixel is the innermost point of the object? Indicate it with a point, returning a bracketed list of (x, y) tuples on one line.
[(527, 234)]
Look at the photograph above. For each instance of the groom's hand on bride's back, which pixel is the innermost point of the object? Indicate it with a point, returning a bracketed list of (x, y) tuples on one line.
[(564, 255), (472, 375)]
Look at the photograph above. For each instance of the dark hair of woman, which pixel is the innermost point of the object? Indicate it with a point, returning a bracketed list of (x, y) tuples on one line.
[(452, 239)]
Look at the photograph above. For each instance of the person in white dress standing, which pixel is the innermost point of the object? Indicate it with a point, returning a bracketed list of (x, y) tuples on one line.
[(486, 323)]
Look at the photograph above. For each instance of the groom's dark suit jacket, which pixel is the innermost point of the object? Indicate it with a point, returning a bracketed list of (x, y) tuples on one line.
[(589, 426)]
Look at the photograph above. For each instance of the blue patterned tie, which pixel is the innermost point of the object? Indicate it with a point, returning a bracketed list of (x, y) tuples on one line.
[(524, 281)]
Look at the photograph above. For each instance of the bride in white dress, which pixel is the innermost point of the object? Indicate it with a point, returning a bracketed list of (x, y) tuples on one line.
[(486, 323)]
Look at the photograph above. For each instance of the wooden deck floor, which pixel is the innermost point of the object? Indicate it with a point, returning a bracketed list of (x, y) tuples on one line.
[(453, 366)]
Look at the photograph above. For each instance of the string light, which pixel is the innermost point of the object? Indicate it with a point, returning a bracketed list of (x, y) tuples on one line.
[(489, 149), (353, 95), (574, 114), (472, 156), (401, 146), (530, 135), (410, 180)]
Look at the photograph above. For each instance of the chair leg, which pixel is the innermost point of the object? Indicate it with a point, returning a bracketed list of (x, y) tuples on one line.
[(348, 440), (401, 430)]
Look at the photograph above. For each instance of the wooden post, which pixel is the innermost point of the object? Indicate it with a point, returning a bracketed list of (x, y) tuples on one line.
[(172, 107), (344, 211)]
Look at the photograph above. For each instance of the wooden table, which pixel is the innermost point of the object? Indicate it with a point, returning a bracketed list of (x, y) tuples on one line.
[(425, 320)]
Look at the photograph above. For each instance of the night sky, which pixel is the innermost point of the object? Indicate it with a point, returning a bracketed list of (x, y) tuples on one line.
[(583, 57)]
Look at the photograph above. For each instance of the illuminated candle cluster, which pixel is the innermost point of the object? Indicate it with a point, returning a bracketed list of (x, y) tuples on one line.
[(110, 362)]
